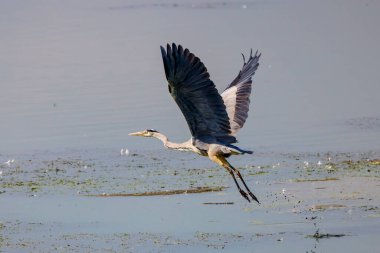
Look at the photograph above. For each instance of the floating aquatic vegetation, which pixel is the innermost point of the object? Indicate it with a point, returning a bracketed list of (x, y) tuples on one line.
[(318, 235), (218, 203), (324, 207), (160, 193), (301, 180)]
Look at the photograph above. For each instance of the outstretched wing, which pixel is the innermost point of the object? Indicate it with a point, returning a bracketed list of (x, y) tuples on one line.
[(196, 95), (236, 95)]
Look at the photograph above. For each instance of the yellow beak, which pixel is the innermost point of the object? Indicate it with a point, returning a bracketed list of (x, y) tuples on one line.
[(136, 134)]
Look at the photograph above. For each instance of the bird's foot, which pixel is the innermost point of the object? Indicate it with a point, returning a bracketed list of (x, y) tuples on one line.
[(253, 197), (244, 194)]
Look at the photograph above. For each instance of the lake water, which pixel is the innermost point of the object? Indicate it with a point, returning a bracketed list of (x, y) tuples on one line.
[(84, 74), (77, 76)]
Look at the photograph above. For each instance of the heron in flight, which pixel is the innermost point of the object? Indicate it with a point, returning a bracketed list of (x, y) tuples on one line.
[(213, 118)]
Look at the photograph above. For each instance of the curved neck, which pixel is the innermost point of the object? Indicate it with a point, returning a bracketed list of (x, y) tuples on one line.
[(169, 144)]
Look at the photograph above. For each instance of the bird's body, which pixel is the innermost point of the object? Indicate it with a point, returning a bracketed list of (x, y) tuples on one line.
[(213, 118)]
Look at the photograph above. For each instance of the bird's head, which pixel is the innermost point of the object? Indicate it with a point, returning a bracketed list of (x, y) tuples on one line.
[(145, 133)]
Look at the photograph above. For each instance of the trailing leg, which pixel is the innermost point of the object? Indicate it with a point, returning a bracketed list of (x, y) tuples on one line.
[(227, 164), (245, 185), (222, 162), (243, 193)]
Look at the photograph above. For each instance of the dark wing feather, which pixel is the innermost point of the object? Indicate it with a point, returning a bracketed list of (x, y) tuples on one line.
[(236, 95), (196, 95)]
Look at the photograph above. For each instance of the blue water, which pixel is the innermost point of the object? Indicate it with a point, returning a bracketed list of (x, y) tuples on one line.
[(84, 74), (77, 76)]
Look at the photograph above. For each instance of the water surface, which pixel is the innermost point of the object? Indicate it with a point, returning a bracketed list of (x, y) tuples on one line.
[(77, 76), (84, 74)]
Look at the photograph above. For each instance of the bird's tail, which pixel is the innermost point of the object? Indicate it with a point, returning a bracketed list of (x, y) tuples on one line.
[(239, 150), (247, 152)]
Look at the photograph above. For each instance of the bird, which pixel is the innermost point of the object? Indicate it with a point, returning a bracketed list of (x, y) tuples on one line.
[(213, 119)]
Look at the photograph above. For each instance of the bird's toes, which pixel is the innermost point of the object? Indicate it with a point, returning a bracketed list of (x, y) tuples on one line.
[(254, 197), (245, 195)]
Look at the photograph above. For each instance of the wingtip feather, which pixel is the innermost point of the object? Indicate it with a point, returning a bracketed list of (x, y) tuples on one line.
[(243, 58), (163, 52)]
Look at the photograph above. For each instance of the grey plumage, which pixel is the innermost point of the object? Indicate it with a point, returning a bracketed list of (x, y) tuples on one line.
[(210, 116), (213, 119), (236, 95), (196, 95)]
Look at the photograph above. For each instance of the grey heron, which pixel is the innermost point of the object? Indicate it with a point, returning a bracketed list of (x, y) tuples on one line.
[(213, 118)]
